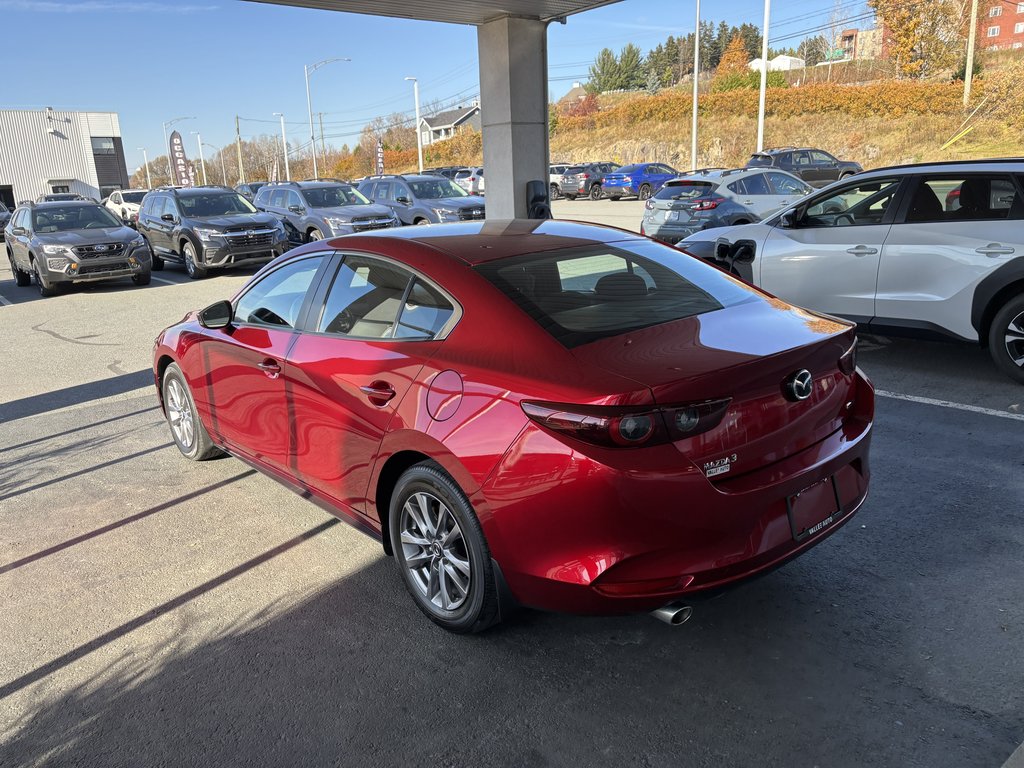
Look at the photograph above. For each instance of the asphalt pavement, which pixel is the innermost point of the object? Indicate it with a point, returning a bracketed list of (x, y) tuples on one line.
[(160, 612)]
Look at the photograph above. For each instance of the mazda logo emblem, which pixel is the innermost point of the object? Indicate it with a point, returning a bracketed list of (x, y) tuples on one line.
[(798, 385)]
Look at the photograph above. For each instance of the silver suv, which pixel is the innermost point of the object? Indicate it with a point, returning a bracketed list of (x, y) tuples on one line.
[(930, 250), (73, 242), (312, 210)]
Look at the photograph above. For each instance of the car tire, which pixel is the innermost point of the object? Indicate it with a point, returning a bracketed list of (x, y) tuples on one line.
[(615, 198), (570, 197), (845, 175), (143, 278), (21, 278), (46, 289), (187, 429), (314, 234), (553, 192), (1006, 339), (421, 222), (740, 222), (595, 192), (188, 255), (441, 551), (645, 192)]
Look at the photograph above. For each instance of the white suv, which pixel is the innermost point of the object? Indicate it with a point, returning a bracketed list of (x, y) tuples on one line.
[(471, 180), (125, 204), (932, 250)]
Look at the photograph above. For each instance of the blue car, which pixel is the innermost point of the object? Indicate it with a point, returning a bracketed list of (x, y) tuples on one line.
[(640, 180)]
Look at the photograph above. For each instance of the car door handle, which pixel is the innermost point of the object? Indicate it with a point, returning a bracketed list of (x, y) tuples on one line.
[(862, 250), (270, 367), (748, 202), (994, 249), (378, 392)]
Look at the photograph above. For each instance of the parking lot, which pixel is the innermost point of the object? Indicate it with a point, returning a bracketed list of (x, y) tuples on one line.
[(161, 612)]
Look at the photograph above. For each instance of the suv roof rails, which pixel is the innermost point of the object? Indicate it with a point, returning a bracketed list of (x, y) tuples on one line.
[(766, 150), (731, 171)]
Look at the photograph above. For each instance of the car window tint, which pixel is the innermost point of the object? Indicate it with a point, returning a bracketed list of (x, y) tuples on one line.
[(581, 295), (756, 184), (400, 190), (857, 204), (737, 187), (293, 199), (424, 313), (277, 198), (819, 157), (801, 158), (364, 299), (276, 300), (383, 191), (977, 197), (787, 185)]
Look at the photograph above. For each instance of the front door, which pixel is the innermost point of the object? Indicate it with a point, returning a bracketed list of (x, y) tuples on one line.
[(828, 261)]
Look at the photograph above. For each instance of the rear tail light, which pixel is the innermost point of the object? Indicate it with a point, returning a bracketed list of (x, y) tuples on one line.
[(707, 205), (848, 360), (628, 426), (585, 175)]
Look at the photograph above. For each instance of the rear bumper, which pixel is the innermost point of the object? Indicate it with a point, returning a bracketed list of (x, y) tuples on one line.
[(583, 537)]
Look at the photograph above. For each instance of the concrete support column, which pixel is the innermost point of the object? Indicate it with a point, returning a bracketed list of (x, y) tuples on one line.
[(513, 111)]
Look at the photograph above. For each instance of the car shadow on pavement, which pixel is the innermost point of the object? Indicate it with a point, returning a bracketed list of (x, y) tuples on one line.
[(75, 395)]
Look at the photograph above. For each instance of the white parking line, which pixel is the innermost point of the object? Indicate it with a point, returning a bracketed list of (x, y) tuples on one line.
[(948, 404), (6, 302), (163, 280)]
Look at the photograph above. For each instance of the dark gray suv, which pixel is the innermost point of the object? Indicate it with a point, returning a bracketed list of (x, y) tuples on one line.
[(423, 199), (73, 242), (313, 210)]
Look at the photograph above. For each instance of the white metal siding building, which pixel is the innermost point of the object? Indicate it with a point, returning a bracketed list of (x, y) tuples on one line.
[(51, 151)]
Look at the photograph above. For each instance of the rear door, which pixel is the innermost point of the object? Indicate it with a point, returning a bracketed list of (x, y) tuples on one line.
[(374, 327), (952, 232), (824, 167), (829, 260)]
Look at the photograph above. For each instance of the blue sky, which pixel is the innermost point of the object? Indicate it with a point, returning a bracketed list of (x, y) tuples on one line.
[(222, 58)]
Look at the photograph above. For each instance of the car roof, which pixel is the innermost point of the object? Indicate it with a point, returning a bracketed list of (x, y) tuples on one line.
[(1007, 164), (44, 204), (478, 242)]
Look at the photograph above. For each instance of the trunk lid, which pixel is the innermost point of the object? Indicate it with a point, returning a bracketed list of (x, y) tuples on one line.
[(746, 353)]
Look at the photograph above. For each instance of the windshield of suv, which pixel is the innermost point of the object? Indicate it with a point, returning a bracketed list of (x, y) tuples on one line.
[(759, 161), (436, 188), (64, 219), (685, 191), (214, 204), (333, 197), (133, 197)]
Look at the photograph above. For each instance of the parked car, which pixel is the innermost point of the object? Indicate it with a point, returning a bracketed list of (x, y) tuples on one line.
[(448, 171), (5, 215), (62, 243), (125, 204), (373, 385), (640, 180), (471, 180), (61, 197), (312, 210), (585, 180), (883, 249), (249, 189), (815, 166), (206, 228), (418, 199), (555, 171), (685, 206)]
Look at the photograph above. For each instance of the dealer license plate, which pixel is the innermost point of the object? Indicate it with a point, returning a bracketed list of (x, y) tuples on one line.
[(814, 508)]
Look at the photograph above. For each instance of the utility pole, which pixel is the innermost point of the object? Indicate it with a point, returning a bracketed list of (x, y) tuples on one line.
[(308, 69), (238, 146), (323, 142), (969, 68), (764, 75), (284, 145), (202, 160), (696, 76), (145, 161), (419, 137)]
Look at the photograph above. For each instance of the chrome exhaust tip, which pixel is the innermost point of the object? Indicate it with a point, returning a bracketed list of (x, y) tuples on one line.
[(674, 614)]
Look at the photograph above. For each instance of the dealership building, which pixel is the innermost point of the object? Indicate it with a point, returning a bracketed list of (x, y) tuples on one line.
[(43, 151)]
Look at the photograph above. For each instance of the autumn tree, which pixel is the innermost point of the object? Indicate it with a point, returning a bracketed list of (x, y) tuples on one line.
[(923, 38)]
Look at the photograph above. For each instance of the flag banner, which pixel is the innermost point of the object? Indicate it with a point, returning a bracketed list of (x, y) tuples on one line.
[(380, 156), (184, 175)]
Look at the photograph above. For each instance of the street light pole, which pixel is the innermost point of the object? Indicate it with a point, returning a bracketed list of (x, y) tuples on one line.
[(202, 160), (969, 64), (170, 172), (145, 162), (764, 75), (308, 69), (223, 173), (696, 75), (419, 138), (284, 145)]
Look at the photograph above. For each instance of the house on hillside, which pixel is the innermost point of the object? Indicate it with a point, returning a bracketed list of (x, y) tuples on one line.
[(861, 43), (780, 63), (574, 94), (1002, 25), (444, 125)]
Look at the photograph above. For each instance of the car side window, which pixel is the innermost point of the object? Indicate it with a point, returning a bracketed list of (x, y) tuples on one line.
[(293, 199), (367, 190), (821, 158), (787, 185), (737, 187), (756, 185), (277, 198), (262, 198), (801, 159), (857, 204), (978, 197), (365, 299), (425, 312), (276, 300), (170, 206), (400, 190), (383, 191)]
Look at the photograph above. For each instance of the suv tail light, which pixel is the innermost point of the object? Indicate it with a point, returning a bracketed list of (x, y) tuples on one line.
[(585, 175), (707, 205), (628, 426)]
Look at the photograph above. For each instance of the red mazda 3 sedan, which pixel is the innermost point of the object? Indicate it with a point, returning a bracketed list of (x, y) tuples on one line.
[(540, 413)]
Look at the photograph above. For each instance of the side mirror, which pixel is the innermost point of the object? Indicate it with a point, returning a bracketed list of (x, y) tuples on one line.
[(403, 200), (296, 209), (18, 231), (217, 315), (167, 217), (788, 219)]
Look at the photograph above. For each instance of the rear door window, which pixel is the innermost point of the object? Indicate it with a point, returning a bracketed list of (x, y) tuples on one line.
[(974, 197), (787, 185)]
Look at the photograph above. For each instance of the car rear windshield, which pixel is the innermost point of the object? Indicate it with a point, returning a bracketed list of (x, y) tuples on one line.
[(334, 197), (582, 295), (435, 189), (65, 218), (759, 161), (630, 169), (133, 197), (686, 191), (573, 170), (219, 204)]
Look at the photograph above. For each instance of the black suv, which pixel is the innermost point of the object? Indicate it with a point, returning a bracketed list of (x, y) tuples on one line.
[(815, 166), (586, 180), (249, 189), (208, 227)]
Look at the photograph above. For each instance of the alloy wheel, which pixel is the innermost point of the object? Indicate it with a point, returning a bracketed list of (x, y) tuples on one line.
[(435, 551), (1014, 340), (315, 234), (179, 414)]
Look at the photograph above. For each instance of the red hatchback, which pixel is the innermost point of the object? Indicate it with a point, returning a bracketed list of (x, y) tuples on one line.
[(545, 413)]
